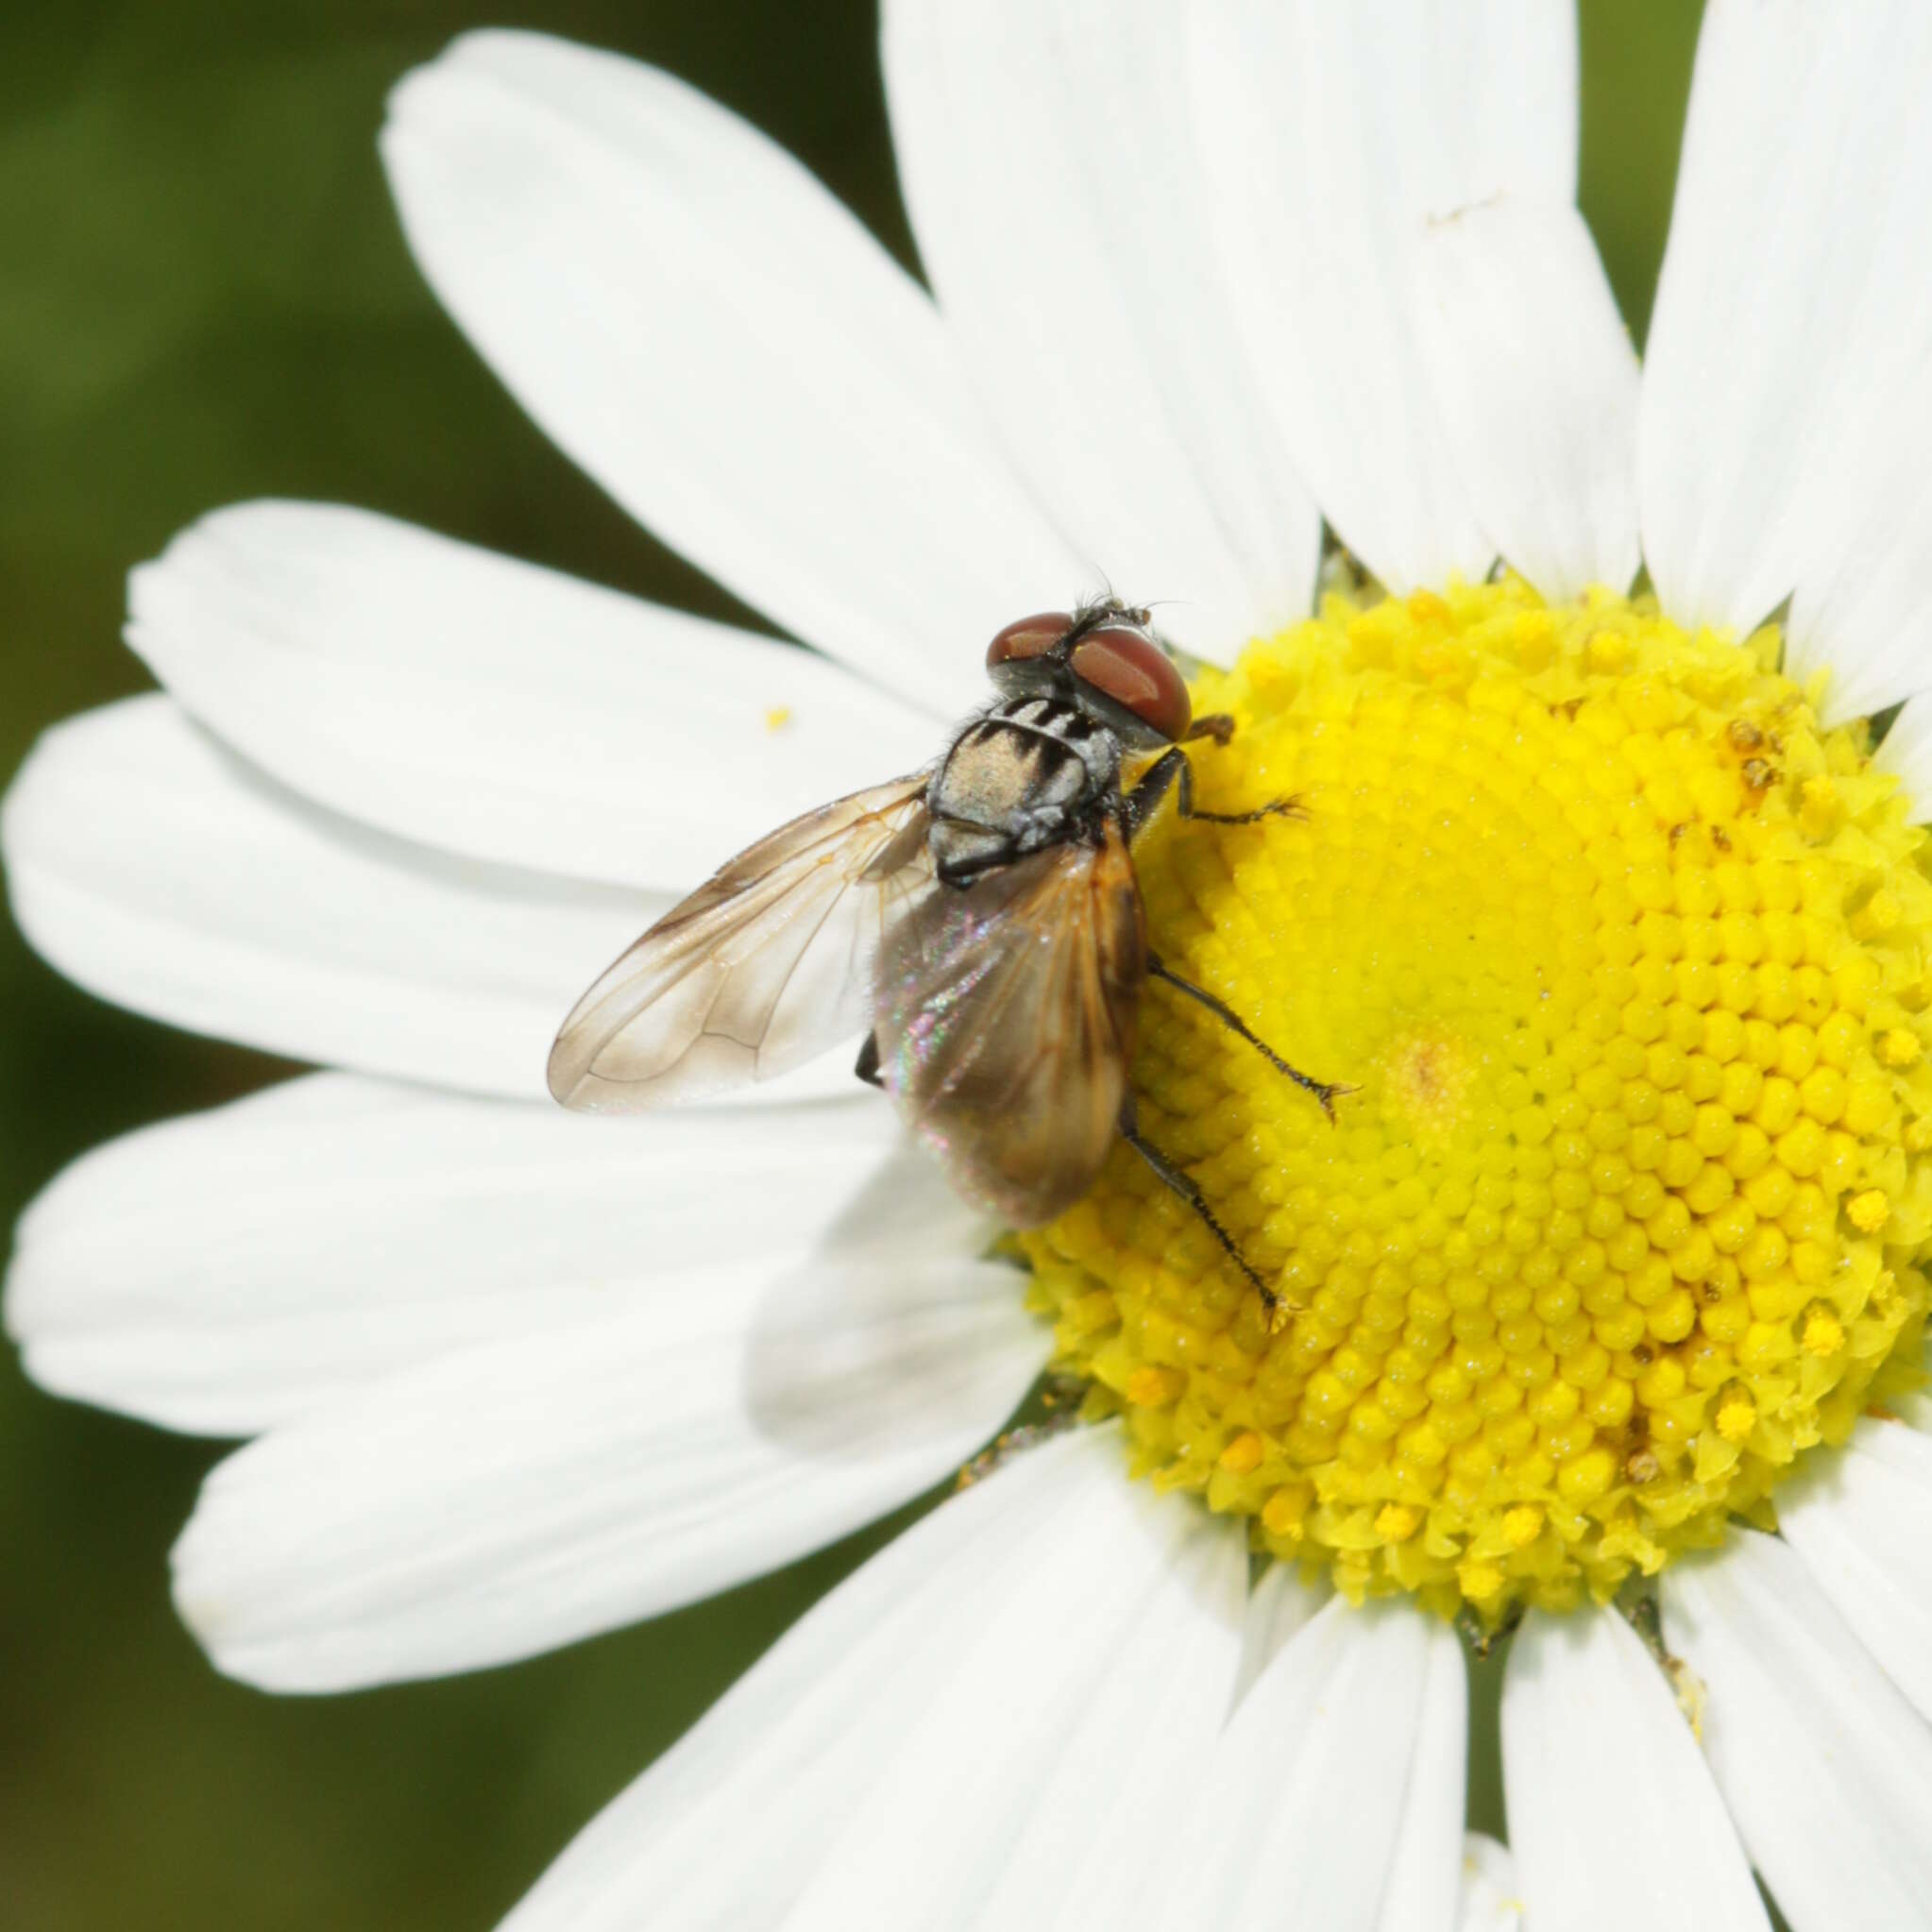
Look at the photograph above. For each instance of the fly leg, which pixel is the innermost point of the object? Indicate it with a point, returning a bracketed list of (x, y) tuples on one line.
[(868, 1067), (1324, 1090), (1171, 771), (1173, 1180), (1217, 725)]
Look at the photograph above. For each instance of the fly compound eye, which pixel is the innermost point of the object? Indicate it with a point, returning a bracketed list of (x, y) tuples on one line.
[(1129, 667), (1027, 637)]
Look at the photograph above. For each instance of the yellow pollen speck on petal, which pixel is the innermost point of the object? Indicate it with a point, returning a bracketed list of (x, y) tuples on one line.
[(1693, 1699), (1622, 956), (778, 718)]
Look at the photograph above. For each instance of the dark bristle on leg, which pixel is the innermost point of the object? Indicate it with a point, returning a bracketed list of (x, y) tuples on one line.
[(1289, 807), (1173, 1178), (1324, 1090)]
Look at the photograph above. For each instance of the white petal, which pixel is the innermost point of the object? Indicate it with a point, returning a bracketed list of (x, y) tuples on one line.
[(1614, 1820), (1491, 1901), (1330, 135), (161, 871), (1863, 1524), (1278, 1605), (1826, 1769), (715, 339), (1785, 401), (1537, 384), (1907, 750), (1299, 1814), (1033, 1782), (1051, 174), (158, 871), (711, 1425), (1424, 1877), (497, 710), (943, 1673), (1126, 1767), (229, 1272)]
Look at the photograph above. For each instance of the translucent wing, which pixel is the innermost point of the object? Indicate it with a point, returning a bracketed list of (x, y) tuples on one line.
[(1005, 1023), (763, 967)]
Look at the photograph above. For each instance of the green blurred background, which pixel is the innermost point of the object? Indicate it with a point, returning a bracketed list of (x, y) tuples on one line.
[(204, 296)]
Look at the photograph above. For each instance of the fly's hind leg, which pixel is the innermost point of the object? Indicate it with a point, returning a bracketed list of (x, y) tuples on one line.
[(1171, 771), (1173, 1178), (868, 1067), (1324, 1090)]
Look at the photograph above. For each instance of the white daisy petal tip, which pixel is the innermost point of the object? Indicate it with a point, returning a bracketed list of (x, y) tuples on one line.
[(155, 868), (232, 1271), (1782, 435), (617, 247), (1537, 384), (496, 709), (527, 1492)]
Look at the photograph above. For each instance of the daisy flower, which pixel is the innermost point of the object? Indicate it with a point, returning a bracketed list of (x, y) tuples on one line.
[(1603, 1296)]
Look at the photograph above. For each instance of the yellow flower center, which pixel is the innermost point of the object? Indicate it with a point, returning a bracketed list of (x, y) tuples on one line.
[(1628, 962)]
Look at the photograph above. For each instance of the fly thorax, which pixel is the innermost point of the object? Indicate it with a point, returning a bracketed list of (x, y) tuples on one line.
[(1032, 761)]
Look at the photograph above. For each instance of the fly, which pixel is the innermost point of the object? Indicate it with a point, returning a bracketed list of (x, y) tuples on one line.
[(978, 919)]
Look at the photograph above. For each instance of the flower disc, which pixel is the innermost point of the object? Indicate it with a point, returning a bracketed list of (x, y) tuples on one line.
[(1627, 962)]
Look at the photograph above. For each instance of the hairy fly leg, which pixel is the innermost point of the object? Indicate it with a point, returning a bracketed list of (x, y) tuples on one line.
[(1324, 1090), (1183, 1185)]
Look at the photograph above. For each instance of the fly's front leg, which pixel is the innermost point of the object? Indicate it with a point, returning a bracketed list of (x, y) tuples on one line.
[(1324, 1090), (1171, 771), (1173, 1178)]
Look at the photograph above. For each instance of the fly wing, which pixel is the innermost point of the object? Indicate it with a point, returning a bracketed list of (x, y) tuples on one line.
[(766, 964), (1005, 1023)]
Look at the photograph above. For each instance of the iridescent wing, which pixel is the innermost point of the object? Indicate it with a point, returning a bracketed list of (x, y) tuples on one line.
[(1005, 1023), (760, 969)]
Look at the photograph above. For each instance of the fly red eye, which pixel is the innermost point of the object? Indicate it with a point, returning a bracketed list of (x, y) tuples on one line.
[(1031, 636), (1133, 671)]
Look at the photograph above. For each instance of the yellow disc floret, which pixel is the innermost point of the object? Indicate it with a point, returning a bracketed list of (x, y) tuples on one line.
[(1630, 966)]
